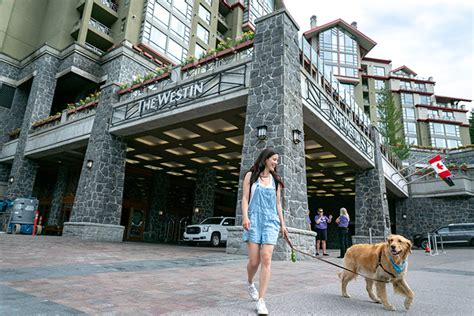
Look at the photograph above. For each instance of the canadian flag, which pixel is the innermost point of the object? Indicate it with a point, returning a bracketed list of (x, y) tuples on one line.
[(441, 170)]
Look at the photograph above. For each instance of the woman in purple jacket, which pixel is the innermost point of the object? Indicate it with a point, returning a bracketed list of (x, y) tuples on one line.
[(321, 226), (343, 226)]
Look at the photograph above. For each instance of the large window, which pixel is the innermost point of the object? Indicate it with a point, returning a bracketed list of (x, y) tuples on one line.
[(379, 84), (405, 85), (177, 27), (409, 113), (257, 8), (410, 128), (204, 14), (433, 113), (420, 86), (451, 130), (444, 135), (181, 6), (349, 88), (411, 140), (407, 98), (175, 49), (199, 51), (203, 33), (448, 115), (338, 49), (161, 14), (424, 99), (158, 38), (379, 71)]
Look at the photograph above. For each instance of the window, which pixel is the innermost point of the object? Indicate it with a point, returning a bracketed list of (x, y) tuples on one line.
[(443, 230), (199, 51), (204, 14), (412, 140), (379, 97), (453, 143), (349, 88), (451, 130), (379, 71), (439, 142), (157, 38), (437, 128), (379, 84), (6, 95), (409, 113), (433, 113), (175, 49), (181, 6), (405, 85), (420, 87), (448, 115), (203, 34), (410, 128), (161, 14), (177, 26), (407, 98), (424, 99)]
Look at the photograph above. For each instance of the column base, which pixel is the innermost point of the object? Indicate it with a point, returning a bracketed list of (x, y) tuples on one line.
[(365, 239), (93, 231), (301, 239)]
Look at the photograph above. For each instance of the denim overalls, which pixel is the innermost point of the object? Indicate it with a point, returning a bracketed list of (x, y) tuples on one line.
[(263, 215)]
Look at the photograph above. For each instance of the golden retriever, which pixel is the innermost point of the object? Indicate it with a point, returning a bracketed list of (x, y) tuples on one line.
[(374, 261)]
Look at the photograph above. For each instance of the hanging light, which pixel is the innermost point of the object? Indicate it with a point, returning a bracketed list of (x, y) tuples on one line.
[(262, 132), (296, 136)]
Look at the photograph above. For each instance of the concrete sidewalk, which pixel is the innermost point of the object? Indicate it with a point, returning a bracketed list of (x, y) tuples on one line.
[(60, 276)]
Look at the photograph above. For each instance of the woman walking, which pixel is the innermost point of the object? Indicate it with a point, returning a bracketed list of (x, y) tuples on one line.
[(262, 219), (343, 227)]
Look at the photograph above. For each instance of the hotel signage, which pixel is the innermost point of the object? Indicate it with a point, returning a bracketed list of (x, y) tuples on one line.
[(174, 96)]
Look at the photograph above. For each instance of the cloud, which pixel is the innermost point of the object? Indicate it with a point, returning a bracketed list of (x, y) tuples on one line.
[(434, 38)]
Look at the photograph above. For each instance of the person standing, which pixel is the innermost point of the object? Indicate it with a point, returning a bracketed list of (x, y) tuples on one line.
[(262, 219), (308, 220), (321, 226), (343, 228)]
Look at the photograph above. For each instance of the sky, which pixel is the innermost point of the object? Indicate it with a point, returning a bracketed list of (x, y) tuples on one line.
[(431, 37)]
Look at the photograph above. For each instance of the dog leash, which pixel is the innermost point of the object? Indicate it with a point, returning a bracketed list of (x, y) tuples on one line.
[(329, 262)]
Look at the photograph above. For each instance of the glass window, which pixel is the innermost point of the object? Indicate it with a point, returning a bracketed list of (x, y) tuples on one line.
[(204, 14), (412, 140), (161, 14), (453, 143), (432, 113), (407, 98), (379, 71), (420, 86), (409, 113), (199, 51), (177, 26), (158, 38), (405, 85), (439, 142), (203, 33), (175, 49), (181, 5), (424, 99), (379, 84), (448, 115), (451, 130), (410, 128), (437, 128)]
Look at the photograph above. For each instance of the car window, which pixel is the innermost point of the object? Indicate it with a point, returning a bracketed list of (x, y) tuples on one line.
[(443, 230), (211, 221), (229, 222), (458, 228)]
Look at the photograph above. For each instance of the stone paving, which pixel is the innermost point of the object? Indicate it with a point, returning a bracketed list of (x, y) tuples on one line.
[(50, 275)]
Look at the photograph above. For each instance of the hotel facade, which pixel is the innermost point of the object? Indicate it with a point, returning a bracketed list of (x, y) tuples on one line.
[(122, 136)]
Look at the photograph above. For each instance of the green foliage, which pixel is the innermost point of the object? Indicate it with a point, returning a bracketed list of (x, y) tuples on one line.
[(391, 124)]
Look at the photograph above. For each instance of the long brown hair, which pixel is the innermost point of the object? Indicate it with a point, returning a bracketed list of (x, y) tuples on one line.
[(259, 166)]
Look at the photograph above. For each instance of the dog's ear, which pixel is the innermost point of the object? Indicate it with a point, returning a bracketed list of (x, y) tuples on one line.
[(409, 245)]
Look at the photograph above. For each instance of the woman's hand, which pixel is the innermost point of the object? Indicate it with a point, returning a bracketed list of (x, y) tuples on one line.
[(284, 231), (246, 223)]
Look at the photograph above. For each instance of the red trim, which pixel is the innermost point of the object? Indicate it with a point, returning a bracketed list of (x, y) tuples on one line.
[(249, 25), (377, 60), (440, 108), (411, 79), (155, 53), (465, 125), (404, 67), (451, 98), (82, 107), (413, 91), (225, 4), (375, 77), (237, 4), (439, 121)]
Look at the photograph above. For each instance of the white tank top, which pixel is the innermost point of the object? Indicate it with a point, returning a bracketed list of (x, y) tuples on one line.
[(254, 187)]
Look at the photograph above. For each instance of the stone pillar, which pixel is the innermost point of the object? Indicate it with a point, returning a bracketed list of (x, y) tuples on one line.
[(371, 205), (58, 195), (98, 203), (275, 101), (158, 206), (38, 106), (204, 194)]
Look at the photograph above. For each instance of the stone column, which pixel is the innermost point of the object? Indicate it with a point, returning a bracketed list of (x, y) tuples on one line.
[(204, 194), (275, 101), (371, 205), (38, 106), (98, 203), (58, 195), (158, 206)]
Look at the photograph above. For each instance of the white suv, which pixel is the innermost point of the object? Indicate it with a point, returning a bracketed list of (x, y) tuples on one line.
[(212, 229)]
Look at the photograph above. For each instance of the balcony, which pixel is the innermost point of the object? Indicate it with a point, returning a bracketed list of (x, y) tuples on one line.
[(435, 187), (99, 35), (102, 10)]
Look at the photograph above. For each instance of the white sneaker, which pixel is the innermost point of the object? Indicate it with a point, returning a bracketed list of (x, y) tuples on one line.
[(253, 291), (261, 307)]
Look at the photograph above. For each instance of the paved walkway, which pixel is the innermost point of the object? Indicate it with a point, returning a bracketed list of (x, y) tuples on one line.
[(60, 276)]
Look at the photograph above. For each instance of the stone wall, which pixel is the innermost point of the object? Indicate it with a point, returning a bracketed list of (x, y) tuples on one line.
[(154, 225), (58, 195), (204, 194)]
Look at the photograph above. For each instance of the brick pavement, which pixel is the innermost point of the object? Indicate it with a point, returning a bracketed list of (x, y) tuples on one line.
[(56, 275)]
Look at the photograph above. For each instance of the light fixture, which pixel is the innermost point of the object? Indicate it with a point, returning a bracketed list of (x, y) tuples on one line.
[(89, 164), (160, 213), (11, 179), (196, 210), (262, 132), (296, 136), (384, 196)]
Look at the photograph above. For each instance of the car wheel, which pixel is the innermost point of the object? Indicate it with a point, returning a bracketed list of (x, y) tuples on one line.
[(215, 240), (424, 243)]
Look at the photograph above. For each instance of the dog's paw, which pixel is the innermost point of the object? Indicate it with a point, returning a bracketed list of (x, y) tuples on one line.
[(377, 301), (408, 303), (389, 307)]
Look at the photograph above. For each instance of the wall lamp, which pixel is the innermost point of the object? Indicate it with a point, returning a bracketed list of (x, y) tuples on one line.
[(296, 136), (196, 210), (11, 179), (262, 132), (89, 164)]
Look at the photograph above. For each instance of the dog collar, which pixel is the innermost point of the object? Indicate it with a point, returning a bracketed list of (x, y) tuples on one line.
[(380, 265), (398, 267)]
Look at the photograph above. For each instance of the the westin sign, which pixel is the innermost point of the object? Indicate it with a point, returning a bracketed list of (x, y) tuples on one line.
[(172, 97)]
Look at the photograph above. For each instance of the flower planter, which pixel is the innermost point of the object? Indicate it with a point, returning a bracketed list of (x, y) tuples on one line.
[(144, 83), (82, 107)]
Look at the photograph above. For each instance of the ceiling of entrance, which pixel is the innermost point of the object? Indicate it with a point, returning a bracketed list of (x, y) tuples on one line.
[(215, 141)]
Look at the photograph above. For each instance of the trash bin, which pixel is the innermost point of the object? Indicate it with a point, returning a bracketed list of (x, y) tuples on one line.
[(23, 215)]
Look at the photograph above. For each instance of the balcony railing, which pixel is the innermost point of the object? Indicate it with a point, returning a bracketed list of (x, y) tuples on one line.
[(94, 49), (110, 5), (101, 27)]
